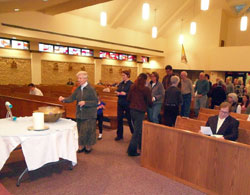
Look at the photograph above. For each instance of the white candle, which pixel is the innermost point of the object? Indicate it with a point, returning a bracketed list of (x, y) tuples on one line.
[(38, 120)]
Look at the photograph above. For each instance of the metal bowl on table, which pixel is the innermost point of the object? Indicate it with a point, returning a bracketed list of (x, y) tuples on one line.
[(51, 113)]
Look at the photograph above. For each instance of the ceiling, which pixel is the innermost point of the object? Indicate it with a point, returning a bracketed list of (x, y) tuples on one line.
[(123, 13)]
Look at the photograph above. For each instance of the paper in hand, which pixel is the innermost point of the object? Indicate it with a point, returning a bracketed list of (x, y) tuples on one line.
[(206, 130)]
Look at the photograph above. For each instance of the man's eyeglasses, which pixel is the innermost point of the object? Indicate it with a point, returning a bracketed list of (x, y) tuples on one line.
[(224, 112)]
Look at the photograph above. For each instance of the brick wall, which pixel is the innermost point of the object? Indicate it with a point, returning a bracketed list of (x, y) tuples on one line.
[(111, 74), (15, 71), (54, 72)]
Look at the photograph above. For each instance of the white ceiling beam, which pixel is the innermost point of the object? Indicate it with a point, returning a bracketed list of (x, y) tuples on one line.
[(70, 5), (170, 19), (121, 14)]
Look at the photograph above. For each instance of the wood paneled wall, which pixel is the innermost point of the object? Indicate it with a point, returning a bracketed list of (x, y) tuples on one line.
[(208, 164)]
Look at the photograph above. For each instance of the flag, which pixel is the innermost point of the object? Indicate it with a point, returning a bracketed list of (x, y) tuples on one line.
[(183, 55)]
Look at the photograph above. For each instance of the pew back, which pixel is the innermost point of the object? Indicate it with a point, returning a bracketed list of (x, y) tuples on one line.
[(206, 163)]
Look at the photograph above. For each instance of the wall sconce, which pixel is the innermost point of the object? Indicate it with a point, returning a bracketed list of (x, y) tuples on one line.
[(70, 68), (83, 68), (55, 66), (111, 70), (13, 64)]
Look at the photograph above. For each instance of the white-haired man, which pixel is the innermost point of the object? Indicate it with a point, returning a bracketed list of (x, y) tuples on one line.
[(187, 92), (86, 112)]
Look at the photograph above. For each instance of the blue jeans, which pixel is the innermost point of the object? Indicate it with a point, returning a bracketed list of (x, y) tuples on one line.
[(185, 107), (153, 113)]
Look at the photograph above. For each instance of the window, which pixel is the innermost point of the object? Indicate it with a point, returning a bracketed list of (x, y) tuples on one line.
[(87, 52), (20, 44), (145, 59), (61, 49), (117, 56), (74, 51), (4, 43), (45, 47)]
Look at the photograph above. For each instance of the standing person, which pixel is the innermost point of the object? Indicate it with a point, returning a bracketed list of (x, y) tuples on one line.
[(140, 98), (207, 77), (239, 89), (172, 101), (248, 87), (218, 94), (100, 107), (166, 80), (157, 90), (34, 90), (201, 89), (86, 103), (229, 86), (123, 104), (187, 92)]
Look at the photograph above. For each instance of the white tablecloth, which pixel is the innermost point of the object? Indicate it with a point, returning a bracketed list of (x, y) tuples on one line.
[(39, 147)]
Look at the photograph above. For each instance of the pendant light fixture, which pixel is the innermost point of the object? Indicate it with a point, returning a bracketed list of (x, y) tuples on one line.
[(154, 32), (193, 28), (145, 11), (193, 24), (154, 29), (103, 18), (204, 5), (243, 23), (181, 37)]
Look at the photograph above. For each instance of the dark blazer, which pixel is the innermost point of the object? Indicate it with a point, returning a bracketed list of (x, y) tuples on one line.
[(229, 128)]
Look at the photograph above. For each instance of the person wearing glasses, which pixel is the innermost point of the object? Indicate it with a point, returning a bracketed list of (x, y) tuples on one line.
[(223, 124)]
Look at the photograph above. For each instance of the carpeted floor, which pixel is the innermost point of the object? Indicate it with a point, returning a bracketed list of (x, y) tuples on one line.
[(106, 170)]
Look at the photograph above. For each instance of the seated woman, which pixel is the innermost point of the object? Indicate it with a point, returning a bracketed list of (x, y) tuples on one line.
[(233, 100), (243, 106)]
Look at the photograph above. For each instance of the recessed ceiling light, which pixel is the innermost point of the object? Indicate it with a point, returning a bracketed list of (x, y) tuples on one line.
[(58, 43), (85, 47), (16, 10), (13, 37), (45, 0)]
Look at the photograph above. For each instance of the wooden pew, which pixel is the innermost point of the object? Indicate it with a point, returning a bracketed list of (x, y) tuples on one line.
[(204, 116), (194, 126), (51, 94), (208, 164), (22, 106), (215, 112), (209, 111), (189, 124)]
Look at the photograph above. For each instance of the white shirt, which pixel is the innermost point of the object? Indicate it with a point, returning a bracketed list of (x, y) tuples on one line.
[(84, 85), (36, 92), (219, 123)]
